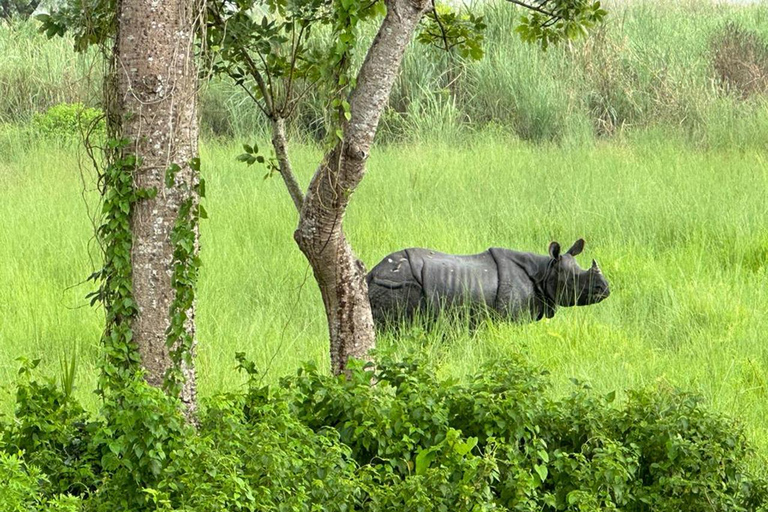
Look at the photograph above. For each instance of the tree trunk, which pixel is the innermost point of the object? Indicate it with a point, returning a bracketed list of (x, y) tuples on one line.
[(157, 84), (320, 236)]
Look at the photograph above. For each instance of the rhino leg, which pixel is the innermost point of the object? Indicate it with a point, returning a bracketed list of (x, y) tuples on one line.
[(393, 290)]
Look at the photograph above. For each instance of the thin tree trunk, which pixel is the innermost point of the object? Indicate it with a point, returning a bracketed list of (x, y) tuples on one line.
[(340, 275), (157, 83), (280, 145)]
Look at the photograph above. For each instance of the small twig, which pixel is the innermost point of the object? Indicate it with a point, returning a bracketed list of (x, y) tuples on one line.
[(294, 102), (251, 65), (255, 100), (442, 28), (535, 8), (289, 87), (287, 323)]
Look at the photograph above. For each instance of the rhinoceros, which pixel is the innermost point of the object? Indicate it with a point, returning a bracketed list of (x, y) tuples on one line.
[(517, 285)]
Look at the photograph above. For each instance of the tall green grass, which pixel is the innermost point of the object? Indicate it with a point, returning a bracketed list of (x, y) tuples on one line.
[(37, 73), (652, 64), (681, 235)]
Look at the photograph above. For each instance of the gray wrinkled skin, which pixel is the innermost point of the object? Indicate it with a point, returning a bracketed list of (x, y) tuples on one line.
[(516, 285)]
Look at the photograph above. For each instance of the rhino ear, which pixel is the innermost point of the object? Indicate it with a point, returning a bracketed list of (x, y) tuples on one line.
[(554, 250), (577, 247)]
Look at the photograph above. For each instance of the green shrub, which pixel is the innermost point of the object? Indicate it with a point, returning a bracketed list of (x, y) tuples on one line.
[(37, 73), (55, 434), (67, 120), (660, 451), (391, 439), (20, 489), (18, 484)]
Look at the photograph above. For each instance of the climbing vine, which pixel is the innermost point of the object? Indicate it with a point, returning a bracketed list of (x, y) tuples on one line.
[(93, 23), (186, 265), (121, 359)]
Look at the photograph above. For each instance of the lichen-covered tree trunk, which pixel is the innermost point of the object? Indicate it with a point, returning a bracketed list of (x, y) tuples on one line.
[(340, 275), (157, 86)]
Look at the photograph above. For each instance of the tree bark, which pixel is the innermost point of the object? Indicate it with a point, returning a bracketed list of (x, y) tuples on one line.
[(320, 236), (157, 84)]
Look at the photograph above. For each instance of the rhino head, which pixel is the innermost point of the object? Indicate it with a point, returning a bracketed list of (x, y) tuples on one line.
[(569, 284)]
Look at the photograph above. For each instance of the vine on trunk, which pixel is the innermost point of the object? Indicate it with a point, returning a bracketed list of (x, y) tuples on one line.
[(186, 267), (121, 358)]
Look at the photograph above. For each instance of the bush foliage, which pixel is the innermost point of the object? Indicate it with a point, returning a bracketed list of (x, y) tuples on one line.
[(393, 438), (67, 120)]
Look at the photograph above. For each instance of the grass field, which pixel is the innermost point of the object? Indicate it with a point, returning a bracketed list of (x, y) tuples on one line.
[(681, 234), (635, 140)]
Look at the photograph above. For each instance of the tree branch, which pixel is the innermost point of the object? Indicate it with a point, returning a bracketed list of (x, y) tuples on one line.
[(271, 87), (442, 29), (251, 64), (343, 167), (279, 143), (296, 42), (255, 100), (536, 8)]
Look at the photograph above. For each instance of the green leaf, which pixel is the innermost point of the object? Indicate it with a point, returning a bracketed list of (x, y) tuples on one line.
[(170, 175), (114, 447), (467, 446), (424, 459), (245, 157)]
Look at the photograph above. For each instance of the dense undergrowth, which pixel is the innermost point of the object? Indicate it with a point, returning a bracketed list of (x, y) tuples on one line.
[(397, 439)]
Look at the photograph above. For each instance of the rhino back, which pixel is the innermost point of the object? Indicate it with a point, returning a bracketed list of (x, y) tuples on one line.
[(449, 279)]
